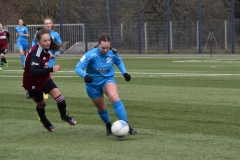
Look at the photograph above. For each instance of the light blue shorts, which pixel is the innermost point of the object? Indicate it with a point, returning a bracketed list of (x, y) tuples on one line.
[(95, 91), (23, 46)]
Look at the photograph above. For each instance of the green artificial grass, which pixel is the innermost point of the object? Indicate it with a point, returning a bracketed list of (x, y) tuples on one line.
[(182, 107)]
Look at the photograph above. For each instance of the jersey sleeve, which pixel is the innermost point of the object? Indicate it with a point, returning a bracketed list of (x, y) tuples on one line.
[(118, 61), (81, 65), (58, 39), (35, 68), (26, 30), (34, 41)]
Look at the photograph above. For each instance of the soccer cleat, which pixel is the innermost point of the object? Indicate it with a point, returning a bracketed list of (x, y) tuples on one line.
[(0, 68), (49, 127), (108, 129), (6, 64), (132, 131), (69, 119), (45, 96)]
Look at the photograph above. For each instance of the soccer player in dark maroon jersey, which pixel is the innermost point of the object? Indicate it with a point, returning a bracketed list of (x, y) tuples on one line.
[(4, 39), (37, 79)]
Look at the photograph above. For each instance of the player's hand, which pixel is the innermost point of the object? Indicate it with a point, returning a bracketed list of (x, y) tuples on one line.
[(56, 68), (88, 79), (127, 76)]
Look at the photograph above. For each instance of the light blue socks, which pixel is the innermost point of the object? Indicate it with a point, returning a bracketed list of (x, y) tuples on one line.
[(119, 110)]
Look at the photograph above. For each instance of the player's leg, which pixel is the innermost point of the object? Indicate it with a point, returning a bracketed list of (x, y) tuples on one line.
[(22, 55), (97, 97), (40, 108), (2, 55), (51, 88), (51, 63), (3, 59), (110, 89)]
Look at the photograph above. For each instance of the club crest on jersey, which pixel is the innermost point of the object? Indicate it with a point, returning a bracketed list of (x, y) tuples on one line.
[(44, 58), (109, 60), (46, 65)]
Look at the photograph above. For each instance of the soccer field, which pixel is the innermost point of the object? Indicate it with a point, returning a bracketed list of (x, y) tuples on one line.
[(182, 107)]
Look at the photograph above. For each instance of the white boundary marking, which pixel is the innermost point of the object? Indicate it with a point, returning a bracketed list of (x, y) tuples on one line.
[(134, 74)]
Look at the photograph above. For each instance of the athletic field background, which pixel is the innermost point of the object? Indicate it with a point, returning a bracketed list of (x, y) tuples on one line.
[(183, 107)]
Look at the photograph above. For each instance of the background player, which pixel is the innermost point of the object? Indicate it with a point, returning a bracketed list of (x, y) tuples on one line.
[(99, 79), (22, 35), (37, 79), (4, 39)]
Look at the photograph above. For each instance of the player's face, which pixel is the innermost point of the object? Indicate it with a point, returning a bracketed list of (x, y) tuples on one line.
[(1, 26), (48, 24), (104, 47), (20, 22), (45, 41)]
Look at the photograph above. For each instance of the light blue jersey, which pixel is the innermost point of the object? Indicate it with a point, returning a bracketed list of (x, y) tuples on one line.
[(56, 38), (22, 41), (99, 66)]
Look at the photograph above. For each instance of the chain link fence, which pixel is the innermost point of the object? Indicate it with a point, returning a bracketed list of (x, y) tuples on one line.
[(121, 17)]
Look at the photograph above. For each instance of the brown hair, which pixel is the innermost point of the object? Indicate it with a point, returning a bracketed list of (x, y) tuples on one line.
[(48, 18), (53, 46), (104, 37)]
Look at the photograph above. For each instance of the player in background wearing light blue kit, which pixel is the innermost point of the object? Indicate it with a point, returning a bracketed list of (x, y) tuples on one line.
[(22, 35), (48, 25), (99, 78)]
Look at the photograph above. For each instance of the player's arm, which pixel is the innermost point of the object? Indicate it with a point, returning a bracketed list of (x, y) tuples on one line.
[(8, 36), (34, 41), (118, 61), (81, 65), (35, 68)]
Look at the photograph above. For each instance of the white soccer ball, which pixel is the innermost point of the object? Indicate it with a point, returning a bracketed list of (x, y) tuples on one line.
[(120, 128)]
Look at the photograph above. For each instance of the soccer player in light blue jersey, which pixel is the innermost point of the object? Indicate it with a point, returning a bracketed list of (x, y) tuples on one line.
[(22, 35), (48, 24), (99, 78)]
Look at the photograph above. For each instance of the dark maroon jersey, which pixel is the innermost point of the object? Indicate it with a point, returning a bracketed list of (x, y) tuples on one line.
[(36, 72), (4, 36)]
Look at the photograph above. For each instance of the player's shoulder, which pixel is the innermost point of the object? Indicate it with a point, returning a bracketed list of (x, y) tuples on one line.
[(54, 32)]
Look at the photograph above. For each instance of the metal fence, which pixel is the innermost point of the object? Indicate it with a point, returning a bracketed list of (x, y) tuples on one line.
[(183, 35), (72, 33)]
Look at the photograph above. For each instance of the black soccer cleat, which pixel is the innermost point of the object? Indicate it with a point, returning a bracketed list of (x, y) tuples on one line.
[(48, 126), (69, 119), (108, 129), (132, 131)]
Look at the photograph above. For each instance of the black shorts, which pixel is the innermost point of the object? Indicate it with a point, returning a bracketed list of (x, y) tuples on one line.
[(4, 51), (37, 96)]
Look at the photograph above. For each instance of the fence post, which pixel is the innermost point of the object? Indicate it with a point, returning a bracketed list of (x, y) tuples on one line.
[(199, 27), (225, 27), (139, 27), (232, 24), (171, 39), (85, 26), (197, 37), (60, 18), (121, 36), (168, 26), (145, 38), (111, 22)]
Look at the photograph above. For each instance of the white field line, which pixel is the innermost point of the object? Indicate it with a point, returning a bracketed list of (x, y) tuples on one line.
[(134, 74)]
